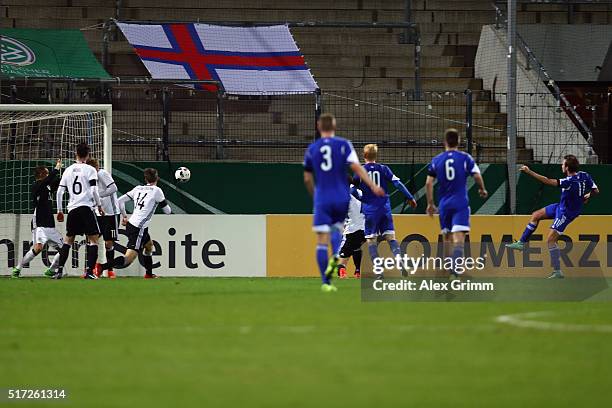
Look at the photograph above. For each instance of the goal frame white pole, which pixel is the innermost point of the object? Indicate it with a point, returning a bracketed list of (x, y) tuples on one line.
[(107, 109)]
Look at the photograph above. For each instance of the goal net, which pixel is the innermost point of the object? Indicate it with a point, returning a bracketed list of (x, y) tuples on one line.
[(38, 135)]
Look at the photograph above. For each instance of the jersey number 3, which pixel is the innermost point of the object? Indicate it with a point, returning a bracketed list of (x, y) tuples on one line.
[(326, 164)]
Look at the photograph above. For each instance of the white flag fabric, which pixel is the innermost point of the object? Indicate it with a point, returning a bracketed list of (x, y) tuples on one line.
[(246, 60)]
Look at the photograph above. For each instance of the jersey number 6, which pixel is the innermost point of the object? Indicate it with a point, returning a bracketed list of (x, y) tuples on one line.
[(77, 188), (450, 170)]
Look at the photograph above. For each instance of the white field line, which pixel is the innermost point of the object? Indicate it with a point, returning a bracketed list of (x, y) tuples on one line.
[(525, 321), (242, 330)]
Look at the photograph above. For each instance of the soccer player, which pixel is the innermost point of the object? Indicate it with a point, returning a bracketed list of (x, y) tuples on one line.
[(377, 210), (109, 222), (353, 237), (326, 161), (576, 188), (146, 199), (81, 182), (452, 168), (43, 223)]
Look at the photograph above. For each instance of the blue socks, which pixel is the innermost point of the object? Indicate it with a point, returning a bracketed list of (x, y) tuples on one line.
[(395, 248), (336, 239), (457, 253), (531, 227), (322, 261), (373, 250), (555, 257)]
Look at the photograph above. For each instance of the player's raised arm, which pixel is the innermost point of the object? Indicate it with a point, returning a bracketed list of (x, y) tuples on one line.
[(542, 179), (401, 187), (59, 197)]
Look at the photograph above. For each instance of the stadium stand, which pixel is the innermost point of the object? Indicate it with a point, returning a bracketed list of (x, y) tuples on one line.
[(362, 72)]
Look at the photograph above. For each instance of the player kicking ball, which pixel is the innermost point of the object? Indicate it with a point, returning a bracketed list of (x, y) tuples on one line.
[(377, 209), (109, 222), (576, 188), (326, 161), (146, 200), (353, 237), (43, 222), (81, 182), (452, 168)]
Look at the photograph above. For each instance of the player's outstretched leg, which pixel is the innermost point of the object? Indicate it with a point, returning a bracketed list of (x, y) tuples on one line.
[(27, 258), (536, 216)]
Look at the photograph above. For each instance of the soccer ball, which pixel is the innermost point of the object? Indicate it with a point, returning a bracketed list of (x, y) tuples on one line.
[(182, 174)]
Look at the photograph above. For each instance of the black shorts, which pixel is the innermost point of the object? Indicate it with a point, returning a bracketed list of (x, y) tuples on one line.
[(109, 227), (137, 237), (82, 221), (351, 243)]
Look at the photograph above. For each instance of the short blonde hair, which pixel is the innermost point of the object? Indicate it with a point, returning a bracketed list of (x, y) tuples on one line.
[(370, 151)]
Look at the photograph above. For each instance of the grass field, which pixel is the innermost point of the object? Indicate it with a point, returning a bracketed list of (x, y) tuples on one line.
[(281, 343)]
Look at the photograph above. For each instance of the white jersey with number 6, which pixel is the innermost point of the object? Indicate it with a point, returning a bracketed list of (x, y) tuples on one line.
[(78, 179), (145, 198)]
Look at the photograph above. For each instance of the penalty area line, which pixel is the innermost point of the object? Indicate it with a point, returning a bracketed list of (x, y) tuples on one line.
[(526, 321)]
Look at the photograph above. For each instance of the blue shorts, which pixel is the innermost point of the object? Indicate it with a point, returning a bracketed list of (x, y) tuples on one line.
[(560, 219), (378, 223), (328, 215), (454, 219)]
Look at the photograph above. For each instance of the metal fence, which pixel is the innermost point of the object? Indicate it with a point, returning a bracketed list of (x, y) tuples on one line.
[(163, 121)]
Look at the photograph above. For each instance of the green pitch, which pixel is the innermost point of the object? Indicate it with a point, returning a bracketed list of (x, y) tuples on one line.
[(283, 343)]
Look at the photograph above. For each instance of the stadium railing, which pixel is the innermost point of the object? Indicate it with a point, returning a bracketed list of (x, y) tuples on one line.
[(160, 120)]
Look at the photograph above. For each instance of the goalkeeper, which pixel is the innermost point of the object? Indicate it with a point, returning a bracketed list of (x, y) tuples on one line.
[(43, 223)]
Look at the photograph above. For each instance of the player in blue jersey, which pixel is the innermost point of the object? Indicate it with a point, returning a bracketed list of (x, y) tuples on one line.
[(377, 209), (452, 168), (325, 175), (576, 188)]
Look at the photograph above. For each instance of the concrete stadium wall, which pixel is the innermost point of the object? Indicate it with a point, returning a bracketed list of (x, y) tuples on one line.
[(283, 245), (547, 130), (570, 52)]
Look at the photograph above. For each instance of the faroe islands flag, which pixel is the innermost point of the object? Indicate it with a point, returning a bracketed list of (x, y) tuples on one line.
[(246, 60)]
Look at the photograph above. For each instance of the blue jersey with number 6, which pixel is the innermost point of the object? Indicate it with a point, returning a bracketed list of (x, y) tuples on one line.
[(328, 158), (452, 169)]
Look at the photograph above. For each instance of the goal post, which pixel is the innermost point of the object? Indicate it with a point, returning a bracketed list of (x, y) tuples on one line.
[(33, 135)]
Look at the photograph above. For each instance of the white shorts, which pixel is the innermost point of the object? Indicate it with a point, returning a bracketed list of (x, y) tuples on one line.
[(44, 235)]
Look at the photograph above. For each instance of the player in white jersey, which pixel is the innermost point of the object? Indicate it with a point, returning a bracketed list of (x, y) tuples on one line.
[(109, 222), (81, 182), (146, 200), (353, 237)]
